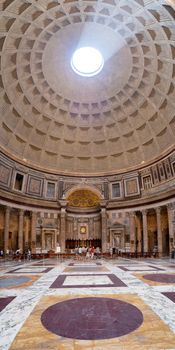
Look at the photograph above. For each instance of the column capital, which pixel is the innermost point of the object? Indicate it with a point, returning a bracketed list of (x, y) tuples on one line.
[(144, 211), (21, 211), (63, 203), (132, 214), (33, 213), (103, 203), (63, 211), (7, 208), (171, 206), (158, 210)]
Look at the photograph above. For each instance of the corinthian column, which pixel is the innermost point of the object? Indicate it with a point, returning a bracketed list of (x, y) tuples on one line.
[(63, 225), (159, 231), (63, 229), (33, 231), (171, 225), (104, 228), (20, 230), (6, 229), (145, 231), (132, 231)]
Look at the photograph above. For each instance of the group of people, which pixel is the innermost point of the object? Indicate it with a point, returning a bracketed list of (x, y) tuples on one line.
[(27, 254), (16, 254), (89, 253)]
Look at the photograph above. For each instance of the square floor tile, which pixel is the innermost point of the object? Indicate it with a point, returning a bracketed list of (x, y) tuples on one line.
[(84, 281), (87, 280)]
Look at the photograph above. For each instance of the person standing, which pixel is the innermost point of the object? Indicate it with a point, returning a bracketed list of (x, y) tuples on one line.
[(29, 255), (92, 252), (111, 251)]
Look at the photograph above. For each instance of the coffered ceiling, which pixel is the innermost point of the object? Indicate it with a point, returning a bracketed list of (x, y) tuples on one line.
[(120, 119)]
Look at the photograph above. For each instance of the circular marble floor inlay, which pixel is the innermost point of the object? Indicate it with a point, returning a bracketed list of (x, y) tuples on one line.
[(13, 281), (92, 318), (161, 277)]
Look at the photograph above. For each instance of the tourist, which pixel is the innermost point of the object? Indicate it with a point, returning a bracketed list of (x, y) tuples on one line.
[(18, 254), (97, 252), (29, 254), (92, 252), (111, 251), (87, 254)]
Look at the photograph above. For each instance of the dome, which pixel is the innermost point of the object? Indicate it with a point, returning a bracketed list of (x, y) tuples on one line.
[(117, 120)]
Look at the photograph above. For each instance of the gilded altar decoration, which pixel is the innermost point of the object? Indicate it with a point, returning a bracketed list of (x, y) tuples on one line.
[(83, 199), (83, 229)]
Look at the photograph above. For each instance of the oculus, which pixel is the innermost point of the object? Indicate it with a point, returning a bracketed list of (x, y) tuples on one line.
[(87, 61)]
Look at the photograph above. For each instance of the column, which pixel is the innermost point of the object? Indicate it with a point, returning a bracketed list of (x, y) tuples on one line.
[(91, 228), (55, 240), (63, 226), (6, 229), (132, 228), (139, 236), (42, 239), (159, 231), (26, 231), (171, 224), (63, 229), (103, 229), (33, 232), (145, 231), (20, 230)]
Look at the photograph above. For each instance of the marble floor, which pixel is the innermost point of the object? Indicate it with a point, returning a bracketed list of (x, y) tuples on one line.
[(98, 304)]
